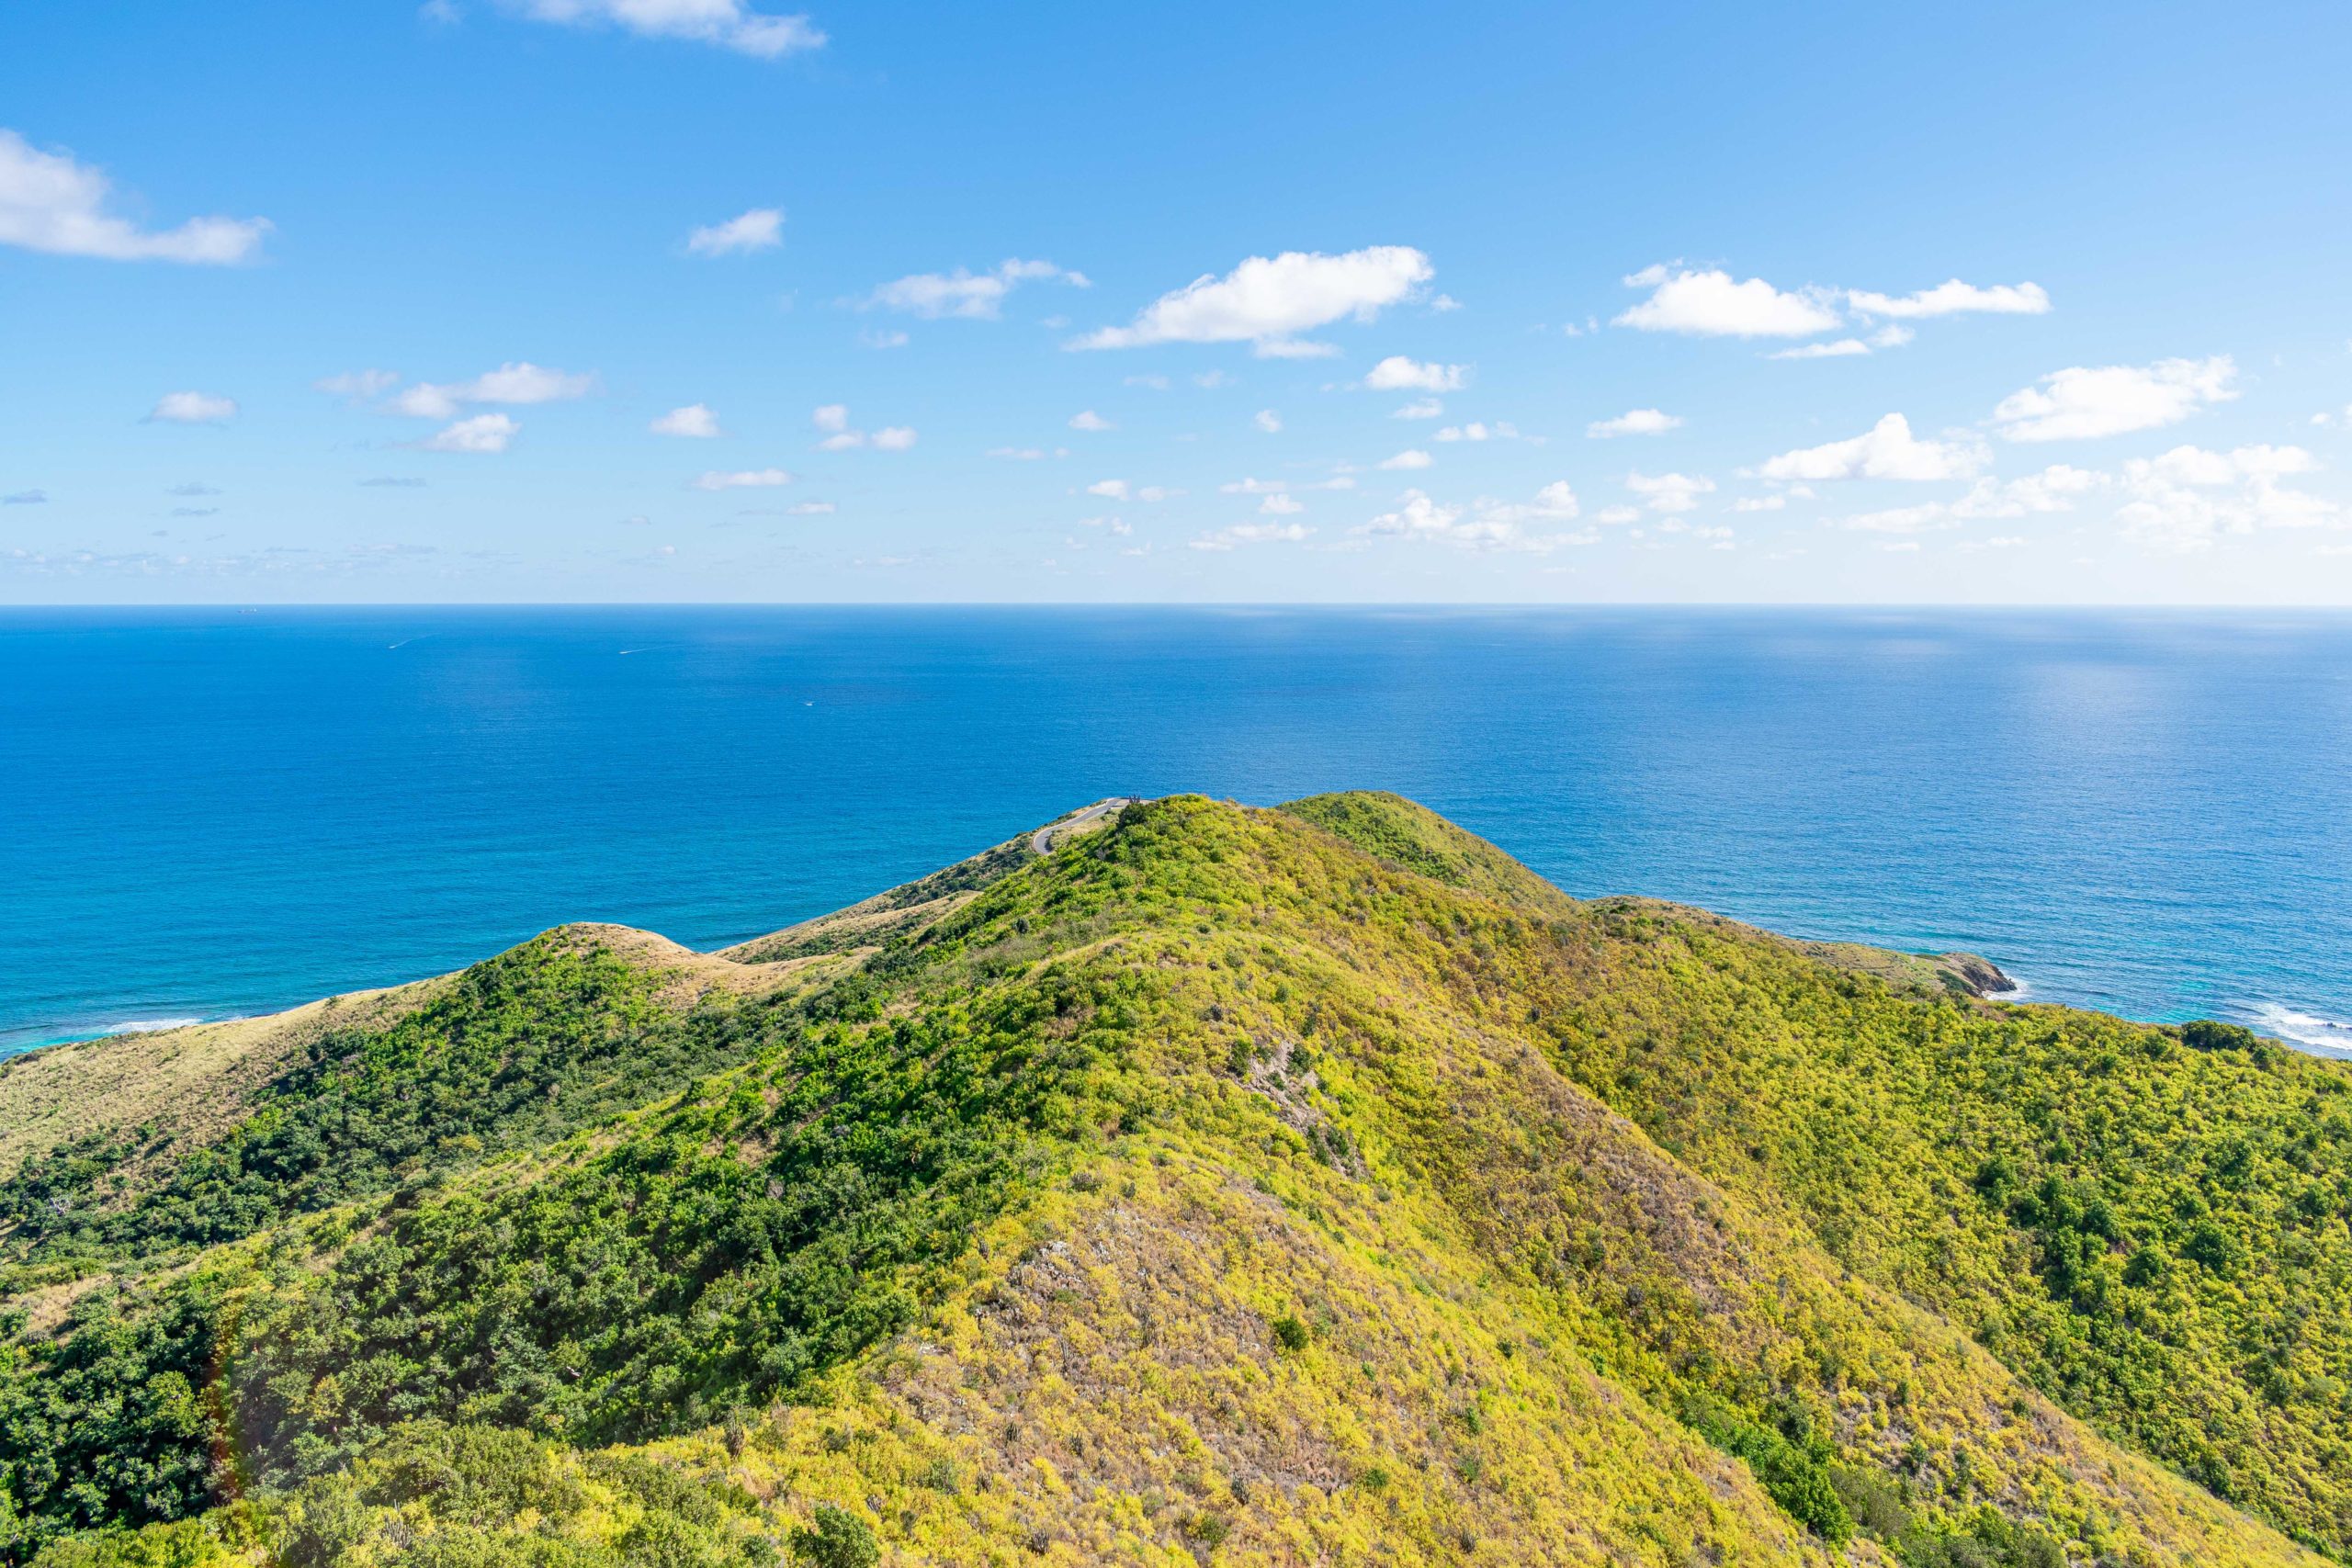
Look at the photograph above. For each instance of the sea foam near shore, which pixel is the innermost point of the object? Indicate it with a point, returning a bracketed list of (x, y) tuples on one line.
[(2321, 1036)]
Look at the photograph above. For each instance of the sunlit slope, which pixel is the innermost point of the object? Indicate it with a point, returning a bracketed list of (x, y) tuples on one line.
[(1223, 1185), (2150, 1227)]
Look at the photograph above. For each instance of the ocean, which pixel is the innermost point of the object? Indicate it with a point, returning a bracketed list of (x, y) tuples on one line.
[(212, 813)]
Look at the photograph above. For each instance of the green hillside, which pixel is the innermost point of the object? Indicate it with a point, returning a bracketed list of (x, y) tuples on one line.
[(1310, 1185)]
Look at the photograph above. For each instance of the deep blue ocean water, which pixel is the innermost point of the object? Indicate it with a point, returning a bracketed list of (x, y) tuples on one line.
[(212, 813)]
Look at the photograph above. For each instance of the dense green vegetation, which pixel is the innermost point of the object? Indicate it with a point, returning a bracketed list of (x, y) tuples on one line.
[(2151, 1233), (1226, 1185), (519, 1051), (717, 1255)]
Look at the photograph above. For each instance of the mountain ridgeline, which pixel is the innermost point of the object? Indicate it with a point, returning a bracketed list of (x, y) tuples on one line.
[(1191, 1184)]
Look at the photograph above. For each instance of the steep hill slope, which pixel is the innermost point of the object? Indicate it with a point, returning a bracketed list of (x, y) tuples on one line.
[(1313, 1185)]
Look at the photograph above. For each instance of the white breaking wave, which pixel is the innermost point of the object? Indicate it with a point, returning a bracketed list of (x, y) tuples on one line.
[(2326, 1036), (149, 1025)]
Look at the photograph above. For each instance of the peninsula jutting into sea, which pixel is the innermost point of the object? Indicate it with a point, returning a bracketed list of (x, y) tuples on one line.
[(1182, 1181)]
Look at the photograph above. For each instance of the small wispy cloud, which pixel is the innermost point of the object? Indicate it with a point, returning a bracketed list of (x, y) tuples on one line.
[(192, 408), (1953, 299), (761, 229), (977, 296), (727, 24), (359, 386), (743, 479), (1251, 534)]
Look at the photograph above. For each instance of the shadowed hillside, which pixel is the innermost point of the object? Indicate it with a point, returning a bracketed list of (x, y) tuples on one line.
[(1213, 1185)]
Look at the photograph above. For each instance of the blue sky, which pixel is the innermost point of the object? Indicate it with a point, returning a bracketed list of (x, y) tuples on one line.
[(684, 299)]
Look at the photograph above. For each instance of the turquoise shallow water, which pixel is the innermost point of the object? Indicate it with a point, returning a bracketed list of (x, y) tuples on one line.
[(209, 813)]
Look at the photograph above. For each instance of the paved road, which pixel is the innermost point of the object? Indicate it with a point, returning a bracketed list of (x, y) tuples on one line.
[(1042, 840)]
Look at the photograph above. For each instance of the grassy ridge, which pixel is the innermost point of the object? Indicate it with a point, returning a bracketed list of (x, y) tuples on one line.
[(1230, 1185), (2153, 1233)]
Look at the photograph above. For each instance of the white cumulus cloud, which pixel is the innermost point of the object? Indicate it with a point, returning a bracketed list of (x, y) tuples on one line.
[(1633, 422), (1713, 304), (1087, 419), (519, 383), (1667, 492), (728, 24), (694, 421), (1399, 374), (2055, 488), (1416, 516), (1886, 451), (2079, 403), (761, 229), (52, 204), (1953, 299), (832, 421), (2186, 498), (1411, 458), (1268, 422), (1487, 526), (1555, 502), (1268, 301), (526, 383), (484, 434)]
